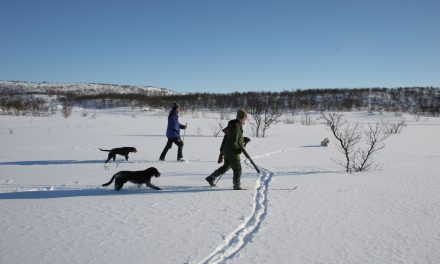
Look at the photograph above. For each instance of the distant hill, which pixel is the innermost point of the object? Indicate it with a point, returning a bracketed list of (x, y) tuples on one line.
[(21, 87)]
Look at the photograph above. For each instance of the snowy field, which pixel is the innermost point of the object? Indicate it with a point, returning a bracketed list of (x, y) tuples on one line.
[(53, 210)]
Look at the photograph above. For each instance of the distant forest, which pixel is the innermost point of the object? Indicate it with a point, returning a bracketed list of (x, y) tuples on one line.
[(420, 100)]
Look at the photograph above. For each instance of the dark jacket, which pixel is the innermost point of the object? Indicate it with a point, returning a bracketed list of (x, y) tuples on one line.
[(233, 140), (173, 129)]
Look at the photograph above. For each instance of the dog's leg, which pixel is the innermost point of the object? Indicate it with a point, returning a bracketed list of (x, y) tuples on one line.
[(126, 157), (152, 186), (118, 186), (108, 158)]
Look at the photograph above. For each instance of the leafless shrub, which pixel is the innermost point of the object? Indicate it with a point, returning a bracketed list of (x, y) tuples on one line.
[(417, 116), (350, 136), (394, 128), (37, 107), (374, 136), (289, 119), (66, 111), (217, 128), (264, 112), (195, 114), (306, 119), (199, 131), (84, 113), (224, 113)]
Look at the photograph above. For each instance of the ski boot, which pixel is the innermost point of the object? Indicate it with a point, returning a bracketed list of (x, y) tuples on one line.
[(211, 180)]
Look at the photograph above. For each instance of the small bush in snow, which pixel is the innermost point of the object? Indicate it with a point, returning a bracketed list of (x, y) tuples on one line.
[(290, 119), (199, 131), (216, 128), (224, 113), (356, 143), (306, 119), (66, 110), (394, 128)]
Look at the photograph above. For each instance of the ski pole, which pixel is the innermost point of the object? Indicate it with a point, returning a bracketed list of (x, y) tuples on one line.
[(249, 158), (218, 179), (184, 132)]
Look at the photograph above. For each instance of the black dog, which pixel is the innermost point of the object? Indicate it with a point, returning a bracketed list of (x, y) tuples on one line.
[(137, 177), (120, 151)]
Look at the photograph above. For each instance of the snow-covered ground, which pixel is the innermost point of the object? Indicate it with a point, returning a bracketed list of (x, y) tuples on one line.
[(53, 210)]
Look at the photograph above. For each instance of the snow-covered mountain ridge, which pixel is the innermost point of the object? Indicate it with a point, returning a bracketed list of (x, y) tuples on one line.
[(23, 87)]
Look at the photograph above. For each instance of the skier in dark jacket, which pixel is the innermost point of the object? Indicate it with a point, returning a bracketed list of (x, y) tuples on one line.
[(173, 133), (231, 148)]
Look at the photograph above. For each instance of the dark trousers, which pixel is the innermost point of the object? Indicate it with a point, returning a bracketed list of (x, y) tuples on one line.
[(233, 164), (169, 144)]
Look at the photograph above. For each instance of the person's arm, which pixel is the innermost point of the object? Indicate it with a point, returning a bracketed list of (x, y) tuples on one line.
[(238, 138)]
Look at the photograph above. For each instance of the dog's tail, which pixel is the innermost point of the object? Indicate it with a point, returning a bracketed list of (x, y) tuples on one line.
[(111, 180), (103, 149)]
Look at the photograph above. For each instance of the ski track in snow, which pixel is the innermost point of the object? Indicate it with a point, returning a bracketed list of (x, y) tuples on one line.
[(235, 241)]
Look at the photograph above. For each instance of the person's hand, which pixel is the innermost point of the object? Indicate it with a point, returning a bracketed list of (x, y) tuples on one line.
[(246, 140)]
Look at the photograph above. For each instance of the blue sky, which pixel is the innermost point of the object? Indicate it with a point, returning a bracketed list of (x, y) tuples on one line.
[(223, 46)]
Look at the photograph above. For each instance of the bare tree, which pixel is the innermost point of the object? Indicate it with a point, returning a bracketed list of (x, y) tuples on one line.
[(347, 135), (217, 128), (375, 136), (265, 112)]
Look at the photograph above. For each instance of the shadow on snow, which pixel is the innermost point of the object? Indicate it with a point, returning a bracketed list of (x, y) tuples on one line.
[(47, 194), (70, 162), (51, 162)]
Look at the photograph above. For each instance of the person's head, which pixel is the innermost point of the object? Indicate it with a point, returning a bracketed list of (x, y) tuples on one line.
[(176, 107), (242, 116)]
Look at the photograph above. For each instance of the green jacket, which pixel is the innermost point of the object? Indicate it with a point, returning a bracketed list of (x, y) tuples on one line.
[(233, 140)]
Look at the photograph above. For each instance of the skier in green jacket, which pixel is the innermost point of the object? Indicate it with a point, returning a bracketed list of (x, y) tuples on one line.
[(231, 149)]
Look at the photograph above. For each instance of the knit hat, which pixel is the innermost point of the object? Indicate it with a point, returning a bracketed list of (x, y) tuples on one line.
[(241, 114), (175, 105)]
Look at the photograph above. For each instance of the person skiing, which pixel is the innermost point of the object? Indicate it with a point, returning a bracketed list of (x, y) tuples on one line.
[(231, 147), (173, 133)]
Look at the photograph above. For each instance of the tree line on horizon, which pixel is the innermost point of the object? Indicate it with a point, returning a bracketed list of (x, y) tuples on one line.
[(420, 100)]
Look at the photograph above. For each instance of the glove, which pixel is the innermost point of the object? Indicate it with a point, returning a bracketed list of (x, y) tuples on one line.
[(183, 127), (246, 140), (220, 158)]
